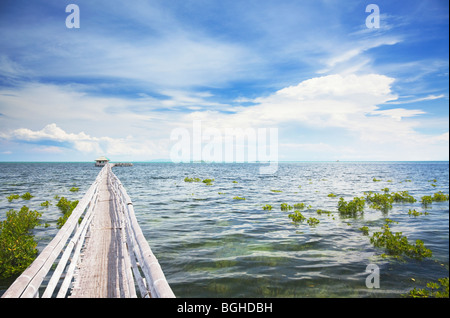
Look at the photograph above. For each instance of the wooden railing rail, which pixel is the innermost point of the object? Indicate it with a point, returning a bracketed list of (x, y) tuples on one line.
[(153, 282), (27, 285), (142, 267)]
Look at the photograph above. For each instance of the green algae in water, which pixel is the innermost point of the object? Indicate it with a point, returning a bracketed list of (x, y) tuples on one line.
[(13, 197), (437, 289), (313, 221), (285, 207), (27, 196), (352, 207), (395, 244), (296, 216), (299, 206)]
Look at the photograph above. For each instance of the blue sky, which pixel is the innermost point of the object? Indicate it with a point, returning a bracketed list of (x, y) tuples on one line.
[(136, 71)]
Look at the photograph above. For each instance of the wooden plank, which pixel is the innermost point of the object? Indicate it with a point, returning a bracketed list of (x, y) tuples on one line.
[(103, 272)]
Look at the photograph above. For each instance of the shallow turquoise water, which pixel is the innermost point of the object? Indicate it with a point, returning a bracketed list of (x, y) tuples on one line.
[(210, 245)]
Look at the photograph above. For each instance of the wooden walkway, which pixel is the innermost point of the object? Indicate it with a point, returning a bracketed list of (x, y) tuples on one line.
[(103, 256)]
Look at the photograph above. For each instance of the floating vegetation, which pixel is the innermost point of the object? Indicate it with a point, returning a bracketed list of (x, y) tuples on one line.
[(17, 245), (221, 193), (439, 196), (416, 213), (313, 221), (296, 216), (365, 230), (376, 180), (74, 189), (267, 207), (379, 201), (13, 197), (238, 198), (276, 190), (351, 208), (403, 196), (46, 204), (435, 290), (208, 181), (285, 207), (235, 181), (395, 244), (27, 196), (385, 190), (66, 207), (426, 200), (187, 179), (299, 206), (332, 195), (320, 212)]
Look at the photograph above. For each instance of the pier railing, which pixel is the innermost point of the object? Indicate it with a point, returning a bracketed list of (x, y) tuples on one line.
[(43, 279), (153, 282)]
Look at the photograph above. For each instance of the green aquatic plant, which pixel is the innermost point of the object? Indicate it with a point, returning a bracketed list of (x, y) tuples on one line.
[(320, 212), (267, 207), (66, 207), (395, 244), (376, 180), (46, 204), (388, 221), (313, 221), (365, 230), (285, 207), (385, 190), (403, 196), (187, 179), (13, 197), (416, 213), (299, 206), (351, 208), (208, 181), (426, 200), (379, 201), (27, 196), (17, 244), (331, 195), (435, 290), (74, 189), (296, 216), (276, 190), (235, 181), (439, 197), (239, 198)]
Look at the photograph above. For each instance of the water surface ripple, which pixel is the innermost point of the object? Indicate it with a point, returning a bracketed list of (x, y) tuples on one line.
[(210, 245)]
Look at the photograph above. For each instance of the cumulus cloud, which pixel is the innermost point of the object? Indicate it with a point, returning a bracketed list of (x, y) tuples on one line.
[(80, 142)]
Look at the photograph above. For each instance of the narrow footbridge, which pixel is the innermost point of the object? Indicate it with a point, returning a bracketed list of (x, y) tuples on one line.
[(100, 252)]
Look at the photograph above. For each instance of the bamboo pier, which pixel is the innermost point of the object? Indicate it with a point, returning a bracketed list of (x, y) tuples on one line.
[(103, 256)]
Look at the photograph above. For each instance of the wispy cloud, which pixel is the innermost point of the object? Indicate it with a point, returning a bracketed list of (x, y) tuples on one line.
[(133, 72)]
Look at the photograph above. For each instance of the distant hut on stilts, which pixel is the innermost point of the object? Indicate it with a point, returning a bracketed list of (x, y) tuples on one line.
[(101, 161)]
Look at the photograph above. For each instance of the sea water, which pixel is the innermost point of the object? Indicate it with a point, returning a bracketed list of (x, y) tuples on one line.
[(212, 245)]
